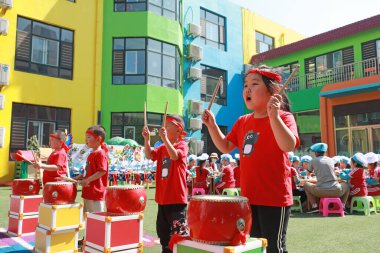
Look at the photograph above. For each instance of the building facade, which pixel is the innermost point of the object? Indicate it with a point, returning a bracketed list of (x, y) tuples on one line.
[(46, 81), (335, 96), (142, 61)]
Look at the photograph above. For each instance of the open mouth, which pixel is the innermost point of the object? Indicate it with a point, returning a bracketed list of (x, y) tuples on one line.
[(248, 98)]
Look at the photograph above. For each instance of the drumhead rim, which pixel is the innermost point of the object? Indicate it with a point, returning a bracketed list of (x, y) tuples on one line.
[(59, 183), (125, 187), (216, 198)]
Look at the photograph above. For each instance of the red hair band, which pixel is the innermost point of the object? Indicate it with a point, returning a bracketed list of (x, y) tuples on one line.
[(175, 122), (267, 73), (64, 146)]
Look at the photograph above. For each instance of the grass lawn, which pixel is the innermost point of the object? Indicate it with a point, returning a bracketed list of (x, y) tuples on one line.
[(306, 232)]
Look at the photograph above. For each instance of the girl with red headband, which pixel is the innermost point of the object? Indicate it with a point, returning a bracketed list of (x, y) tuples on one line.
[(95, 178), (57, 162), (264, 139), (171, 192)]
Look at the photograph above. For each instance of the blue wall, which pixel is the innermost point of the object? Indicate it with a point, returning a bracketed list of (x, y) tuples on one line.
[(230, 60)]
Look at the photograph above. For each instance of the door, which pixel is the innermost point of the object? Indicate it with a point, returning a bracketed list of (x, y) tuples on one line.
[(359, 140)]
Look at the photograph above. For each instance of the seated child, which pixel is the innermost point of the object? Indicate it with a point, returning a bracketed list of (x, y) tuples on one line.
[(226, 175)]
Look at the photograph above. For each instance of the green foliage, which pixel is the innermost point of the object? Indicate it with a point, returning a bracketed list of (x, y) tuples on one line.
[(121, 141), (33, 144)]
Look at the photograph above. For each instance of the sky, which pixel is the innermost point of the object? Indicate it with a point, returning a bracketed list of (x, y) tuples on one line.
[(310, 18)]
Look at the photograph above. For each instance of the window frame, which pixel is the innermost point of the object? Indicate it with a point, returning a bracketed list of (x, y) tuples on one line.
[(203, 36), (30, 64), (206, 97), (264, 36), (177, 61)]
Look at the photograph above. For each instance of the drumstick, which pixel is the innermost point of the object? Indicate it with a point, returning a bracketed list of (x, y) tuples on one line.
[(215, 91), (69, 179), (166, 110), (288, 81), (24, 158), (145, 120)]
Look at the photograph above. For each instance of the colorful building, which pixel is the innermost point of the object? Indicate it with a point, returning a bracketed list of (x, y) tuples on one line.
[(142, 61), (50, 72), (336, 94), (227, 35)]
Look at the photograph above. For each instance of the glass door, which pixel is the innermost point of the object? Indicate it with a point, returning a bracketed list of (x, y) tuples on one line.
[(375, 139), (359, 140)]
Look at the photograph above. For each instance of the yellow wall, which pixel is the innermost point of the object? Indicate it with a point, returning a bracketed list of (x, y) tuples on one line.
[(82, 94), (253, 22)]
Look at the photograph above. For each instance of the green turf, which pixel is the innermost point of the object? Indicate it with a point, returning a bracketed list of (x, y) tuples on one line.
[(306, 232)]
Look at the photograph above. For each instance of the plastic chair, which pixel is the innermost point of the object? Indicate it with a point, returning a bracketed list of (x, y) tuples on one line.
[(377, 203), (198, 191), (324, 206), (297, 205), (230, 192), (363, 204)]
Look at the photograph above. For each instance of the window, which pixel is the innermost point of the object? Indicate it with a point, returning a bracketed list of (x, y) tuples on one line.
[(166, 8), (209, 146), (142, 60), (213, 29), (210, 77), (29, 120), (129, 125), (326, 62), (263, 43), (44, 49)]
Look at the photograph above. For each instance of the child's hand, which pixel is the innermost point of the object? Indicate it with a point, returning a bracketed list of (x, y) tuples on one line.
[(85, 182), (208, 118), (37, 165), (162, 133), (274, 104), (145, 133)]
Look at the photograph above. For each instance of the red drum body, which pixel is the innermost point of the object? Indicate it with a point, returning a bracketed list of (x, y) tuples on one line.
[(125, 199), (59, 193), (219, 220), (25, 187)]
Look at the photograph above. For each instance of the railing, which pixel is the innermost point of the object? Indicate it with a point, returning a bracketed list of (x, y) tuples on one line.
[(347, 72)]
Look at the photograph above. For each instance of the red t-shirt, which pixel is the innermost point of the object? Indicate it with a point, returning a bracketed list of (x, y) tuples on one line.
[(96, 161), (237, 176), (171, 175), (375, 173), (264, 167), (201, 174), (228, 176), (59, 158), (357, 179), (293, 172)]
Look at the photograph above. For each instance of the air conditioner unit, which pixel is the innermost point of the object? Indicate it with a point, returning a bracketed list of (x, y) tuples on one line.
[(2, 136), (196, 146), (4, 74), (195, 107), (194, 52), (246, 68), (195, 124), (193, 30), (6, 4), (2, 101), (194, 73), (4, 26)]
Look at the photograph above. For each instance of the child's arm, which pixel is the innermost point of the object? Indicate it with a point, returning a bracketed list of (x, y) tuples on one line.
[(219, 139), (147, 148), (48, 167), (283, 135), (93, 177), (169, 146)]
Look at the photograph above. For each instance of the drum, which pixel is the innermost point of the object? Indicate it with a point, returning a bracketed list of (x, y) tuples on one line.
[(219, 220), (59, 193), (25, 186), (126, 199)]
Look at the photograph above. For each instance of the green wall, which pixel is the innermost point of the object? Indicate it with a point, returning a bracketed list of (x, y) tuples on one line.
[(130, 98), (308, 99)]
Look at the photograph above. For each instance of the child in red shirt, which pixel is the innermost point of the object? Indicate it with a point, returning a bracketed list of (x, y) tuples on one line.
[(226, 175), (95, 178), (357, 181), (269, 132), (56, 166), (171, 194), (373, 173), (237, 171), (202, 173)]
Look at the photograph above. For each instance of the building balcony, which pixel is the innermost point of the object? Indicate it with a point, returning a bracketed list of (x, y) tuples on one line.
[(366, 68)]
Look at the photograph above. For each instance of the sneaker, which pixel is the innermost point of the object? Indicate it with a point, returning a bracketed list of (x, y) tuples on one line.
[(313, 210)]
